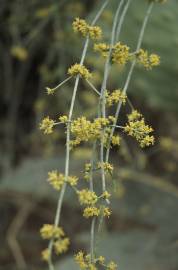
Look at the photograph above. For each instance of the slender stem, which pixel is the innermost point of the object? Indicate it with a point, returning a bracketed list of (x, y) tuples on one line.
[(93, 87), (92, 166), (103, 88), (130, 104), (140, 39), (60, 84), (99, 12), (122, 20), (92, 231), (92, 238), (61, 196), (116, 126)]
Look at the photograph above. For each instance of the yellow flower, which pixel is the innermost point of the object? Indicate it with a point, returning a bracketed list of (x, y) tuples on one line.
[(56, 179), (91, 267), (154, 60), (85, 130), (120, 54), (81, 70), (101, 259), (47, 125), (87, 171), (49, 231), (63, 119), (111, 266), (148, 61), (137, 128), (87, 197), (61, 246), (87, 167), (72, 180), (95, 32), (106, 195), (91, 211), (135, 115), (81, 26), (102, 48), (115, 97), (45, 254), (50, 91), (79, 258), (115, 140), (106, 166), (106, 212)]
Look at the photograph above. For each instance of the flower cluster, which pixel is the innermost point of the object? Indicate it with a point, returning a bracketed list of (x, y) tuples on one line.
[(49, 231), (47, 125), (148, 61), (81, 26), (92, 211), (87, 197), (102, 48), (137, 128), (61, 243), (85, 130), (116, 140), (115, 97), (61, 246), (108, 168), (87, 171), (50, 91), (84, 262), (120, 53), (81, 70), (90, 199), (63, 119), (57, 179)]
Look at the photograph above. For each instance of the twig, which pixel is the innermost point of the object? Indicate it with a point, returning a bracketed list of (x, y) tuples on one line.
[(93, 87), (122, 20)]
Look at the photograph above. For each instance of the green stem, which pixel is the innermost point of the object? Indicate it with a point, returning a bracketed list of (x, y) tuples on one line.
[(60, 84), (122, 20), (140, 39), (92, 239), (103, 88)]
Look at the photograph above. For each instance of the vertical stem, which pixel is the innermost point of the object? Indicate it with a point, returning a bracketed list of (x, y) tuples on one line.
[(140, 39), (122, 20), (61, 196), (103, 88), (92, 238)]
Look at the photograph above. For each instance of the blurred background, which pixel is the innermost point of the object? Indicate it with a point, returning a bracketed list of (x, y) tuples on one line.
[(37, 45)]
